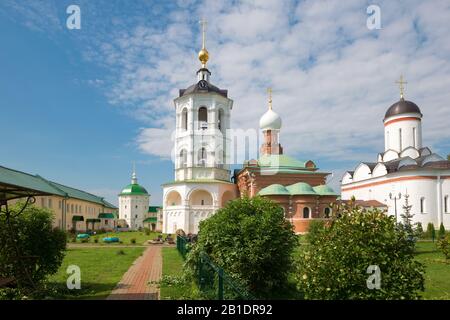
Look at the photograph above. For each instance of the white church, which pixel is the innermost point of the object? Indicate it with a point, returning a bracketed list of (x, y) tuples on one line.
[(133, 204), (201, 177), (405, 167)]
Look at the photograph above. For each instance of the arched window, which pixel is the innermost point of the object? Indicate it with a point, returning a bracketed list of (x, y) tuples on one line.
[(183, 158), (422, 205), (327, 212), (306, 213), (184, 119), (203, 118), (400, 139), (202, 157), (446, 204), (220, 123)]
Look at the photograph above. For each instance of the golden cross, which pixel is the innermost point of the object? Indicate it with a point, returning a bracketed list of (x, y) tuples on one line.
[(203, 22), (400, 84), (269, 92)]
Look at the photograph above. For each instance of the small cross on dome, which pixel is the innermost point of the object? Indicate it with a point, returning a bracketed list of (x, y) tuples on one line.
[(401, 84), (269, 92)]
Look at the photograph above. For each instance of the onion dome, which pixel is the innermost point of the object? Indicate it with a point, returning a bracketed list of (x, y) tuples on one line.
[(270, 121), (401, 107), (134, 189)]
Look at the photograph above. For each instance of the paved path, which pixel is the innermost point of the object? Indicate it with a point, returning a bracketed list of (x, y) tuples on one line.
[(134, 283)]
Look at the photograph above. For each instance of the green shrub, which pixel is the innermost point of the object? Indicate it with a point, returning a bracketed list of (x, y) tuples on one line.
[(443, 244), (441, 233), (335, 264), (120, 252), (96, 240), (133, 241), (11, 294), (30, 245), (147, 231), (430, 231), (252, 241), (315, 230), (419, 230), (85, 240)]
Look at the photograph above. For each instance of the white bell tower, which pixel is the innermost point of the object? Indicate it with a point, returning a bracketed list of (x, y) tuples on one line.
[(202, 173)]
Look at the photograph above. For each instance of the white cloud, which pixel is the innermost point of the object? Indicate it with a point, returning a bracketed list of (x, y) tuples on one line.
[(333, 79)]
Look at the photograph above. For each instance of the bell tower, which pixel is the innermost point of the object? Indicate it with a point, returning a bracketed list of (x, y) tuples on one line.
[(200, 153)]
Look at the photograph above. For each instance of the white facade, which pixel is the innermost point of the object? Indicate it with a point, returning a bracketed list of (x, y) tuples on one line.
[(403, 131), (134, 204), (202, 175), (133, 210), (404, 168), (186, 204)]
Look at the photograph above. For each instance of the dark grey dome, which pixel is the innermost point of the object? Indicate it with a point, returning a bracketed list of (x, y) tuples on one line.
[(402, 106)]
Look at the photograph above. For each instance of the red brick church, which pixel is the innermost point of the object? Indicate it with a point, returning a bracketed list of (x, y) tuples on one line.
[(296, 185)]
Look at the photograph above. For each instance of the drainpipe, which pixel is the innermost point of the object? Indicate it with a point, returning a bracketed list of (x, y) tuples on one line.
[(64, 213), (439, 199)]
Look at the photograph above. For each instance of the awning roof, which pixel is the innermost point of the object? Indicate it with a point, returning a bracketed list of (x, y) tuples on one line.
[(93, 220), (77, 218), (104, 215), (151, 220)]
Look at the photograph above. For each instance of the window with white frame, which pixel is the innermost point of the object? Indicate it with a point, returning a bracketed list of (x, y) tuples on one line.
[(306, 213)]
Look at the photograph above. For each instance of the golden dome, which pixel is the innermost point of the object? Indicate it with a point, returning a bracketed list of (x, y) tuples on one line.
[(203, 56)]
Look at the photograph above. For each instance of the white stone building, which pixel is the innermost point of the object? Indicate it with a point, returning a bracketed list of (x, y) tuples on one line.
[(134, 204), (202, 177), (405, 166)]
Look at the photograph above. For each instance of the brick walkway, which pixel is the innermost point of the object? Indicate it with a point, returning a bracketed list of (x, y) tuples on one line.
[(134, 283)]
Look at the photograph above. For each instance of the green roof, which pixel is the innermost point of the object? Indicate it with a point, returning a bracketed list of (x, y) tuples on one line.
[(17, 184), (151, 220), (93, 220), (280, 160), (153, 209), (104, 215), (77, 218), (324, 190), (274, 189), (82, 195), (133, 189), (300, 188)]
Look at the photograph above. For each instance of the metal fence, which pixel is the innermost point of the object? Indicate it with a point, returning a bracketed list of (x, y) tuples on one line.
[(182, 246), (212, 280)]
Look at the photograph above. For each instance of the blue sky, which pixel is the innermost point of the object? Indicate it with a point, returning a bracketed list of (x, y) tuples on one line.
[(79, 106)]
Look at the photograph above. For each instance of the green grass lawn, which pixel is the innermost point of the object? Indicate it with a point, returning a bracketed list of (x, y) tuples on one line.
[(437, 272), (125, 237), (173, 267), (101, 269)]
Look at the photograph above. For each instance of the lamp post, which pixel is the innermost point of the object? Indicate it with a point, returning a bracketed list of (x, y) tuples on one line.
[(395, 198)]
